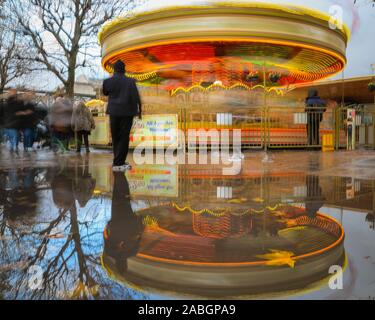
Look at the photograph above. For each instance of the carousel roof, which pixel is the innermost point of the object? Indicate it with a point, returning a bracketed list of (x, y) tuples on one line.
[(254, 44)]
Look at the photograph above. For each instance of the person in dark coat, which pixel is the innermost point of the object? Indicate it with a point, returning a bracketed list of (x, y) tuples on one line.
[(13, 109), (315, 108), (124, 104), (28, 121)]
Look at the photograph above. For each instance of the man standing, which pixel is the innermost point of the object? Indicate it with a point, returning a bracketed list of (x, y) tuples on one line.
[(124, 104), (315, 108)]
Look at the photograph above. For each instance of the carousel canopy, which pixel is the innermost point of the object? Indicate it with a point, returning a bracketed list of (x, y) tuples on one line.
[(250, 44)]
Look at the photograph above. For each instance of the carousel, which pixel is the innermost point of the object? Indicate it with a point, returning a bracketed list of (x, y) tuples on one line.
[(241, 59)]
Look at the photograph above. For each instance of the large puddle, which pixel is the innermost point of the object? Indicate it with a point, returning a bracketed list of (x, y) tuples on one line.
[(72, 232)]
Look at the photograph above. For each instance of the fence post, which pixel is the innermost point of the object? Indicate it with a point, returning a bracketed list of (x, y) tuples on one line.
[(337, 123)]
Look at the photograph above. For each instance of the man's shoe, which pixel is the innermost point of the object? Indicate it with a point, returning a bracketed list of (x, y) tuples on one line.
[(122, 168), (118, 169)]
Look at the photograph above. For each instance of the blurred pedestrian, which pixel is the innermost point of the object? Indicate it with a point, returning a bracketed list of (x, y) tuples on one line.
[(2, 106), (13, 109), (60, 118), (124, 104), (82, 124), (27, 120), (42, 135)]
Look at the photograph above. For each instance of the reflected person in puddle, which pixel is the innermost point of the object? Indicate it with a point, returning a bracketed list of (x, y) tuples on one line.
[(314, 196), (84, 184), (18, 193), (122, 236)]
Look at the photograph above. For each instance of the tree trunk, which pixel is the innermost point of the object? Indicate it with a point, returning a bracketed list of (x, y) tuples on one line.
[(69, 86)]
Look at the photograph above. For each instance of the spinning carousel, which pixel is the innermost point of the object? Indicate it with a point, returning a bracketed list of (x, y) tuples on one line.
[(225, 44), (225, 57)]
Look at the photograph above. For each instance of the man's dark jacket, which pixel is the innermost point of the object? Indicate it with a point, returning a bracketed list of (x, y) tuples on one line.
[(11, 119), (124, 99)]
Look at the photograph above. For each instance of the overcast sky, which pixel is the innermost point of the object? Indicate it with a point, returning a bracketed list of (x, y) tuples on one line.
[(360, 18)]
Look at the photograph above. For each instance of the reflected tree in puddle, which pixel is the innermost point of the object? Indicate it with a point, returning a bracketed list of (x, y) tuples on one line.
[(62, 239)]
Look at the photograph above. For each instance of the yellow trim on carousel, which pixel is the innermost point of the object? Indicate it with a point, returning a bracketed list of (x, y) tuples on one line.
[(236, 85), (95, 103), (288, 293), (236, 39), (143, 76), (222, 211), (291, 9)]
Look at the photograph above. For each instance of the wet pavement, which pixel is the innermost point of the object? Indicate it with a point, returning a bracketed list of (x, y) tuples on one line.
[(71, 229)]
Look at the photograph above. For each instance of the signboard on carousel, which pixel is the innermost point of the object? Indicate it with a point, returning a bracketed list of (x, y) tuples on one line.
[(160, 131)]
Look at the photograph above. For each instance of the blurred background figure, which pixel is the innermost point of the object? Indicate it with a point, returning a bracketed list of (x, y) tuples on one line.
[(13, 109), (60, 123), (28, 120), (2, 105), (82, 124), (42, 135)]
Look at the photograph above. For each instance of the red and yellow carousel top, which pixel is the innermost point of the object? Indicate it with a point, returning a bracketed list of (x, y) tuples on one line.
[(226, 44)]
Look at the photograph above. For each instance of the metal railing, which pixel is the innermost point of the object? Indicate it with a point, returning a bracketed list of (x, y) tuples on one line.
[(266, 128)]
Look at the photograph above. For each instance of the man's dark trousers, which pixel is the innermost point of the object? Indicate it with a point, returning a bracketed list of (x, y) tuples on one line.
[(120, 128)]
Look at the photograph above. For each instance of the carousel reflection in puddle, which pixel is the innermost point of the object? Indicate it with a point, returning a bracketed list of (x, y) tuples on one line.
[(171, 232), (221, 247)]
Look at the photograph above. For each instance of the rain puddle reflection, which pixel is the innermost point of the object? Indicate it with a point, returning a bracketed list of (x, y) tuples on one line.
[(81, 232)]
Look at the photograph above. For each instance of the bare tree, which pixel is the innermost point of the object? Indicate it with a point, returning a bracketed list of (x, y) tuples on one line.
[(12, 48), (366, 2), (64, 32)]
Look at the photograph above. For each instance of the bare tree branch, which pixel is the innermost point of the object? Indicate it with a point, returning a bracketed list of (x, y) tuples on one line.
[(12, 48), (69, 26)]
